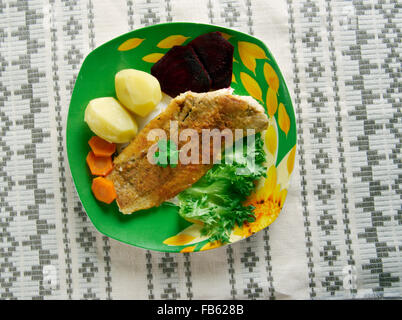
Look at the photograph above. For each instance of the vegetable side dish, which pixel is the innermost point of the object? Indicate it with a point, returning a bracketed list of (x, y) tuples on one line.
[(216, 200)]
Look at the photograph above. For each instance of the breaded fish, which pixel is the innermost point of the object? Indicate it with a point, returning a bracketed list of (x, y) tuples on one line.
[(141, 184)]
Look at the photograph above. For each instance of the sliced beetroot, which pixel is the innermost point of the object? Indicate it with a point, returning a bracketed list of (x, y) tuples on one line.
[(180, 70), (216, 54)]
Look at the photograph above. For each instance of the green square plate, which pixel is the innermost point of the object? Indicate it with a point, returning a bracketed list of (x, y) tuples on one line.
[(255, 73)]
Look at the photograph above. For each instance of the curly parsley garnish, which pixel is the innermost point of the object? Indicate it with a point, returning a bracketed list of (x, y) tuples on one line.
[(216, 199)]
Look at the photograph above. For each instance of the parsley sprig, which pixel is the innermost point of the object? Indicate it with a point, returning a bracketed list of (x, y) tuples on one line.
[(167, 154)]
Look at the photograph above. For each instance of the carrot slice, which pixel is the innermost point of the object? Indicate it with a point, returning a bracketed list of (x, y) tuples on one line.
[(99, 166), (103, 190), (100, 147)]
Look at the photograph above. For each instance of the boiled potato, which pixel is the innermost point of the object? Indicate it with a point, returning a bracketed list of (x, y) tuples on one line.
[(108, 119), (138, 91)]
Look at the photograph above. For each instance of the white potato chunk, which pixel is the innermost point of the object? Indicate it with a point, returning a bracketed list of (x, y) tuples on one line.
[(108, 119), (138, 91)]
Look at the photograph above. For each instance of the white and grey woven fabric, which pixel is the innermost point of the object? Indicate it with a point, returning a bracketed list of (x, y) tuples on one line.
[(339, 235)]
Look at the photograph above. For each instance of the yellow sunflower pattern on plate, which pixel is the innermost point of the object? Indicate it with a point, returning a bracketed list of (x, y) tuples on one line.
[(268, 200)]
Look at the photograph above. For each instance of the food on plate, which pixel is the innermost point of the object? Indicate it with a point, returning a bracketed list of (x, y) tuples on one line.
[(103, 190), (99, 166), (141, 184), (137, 90), (151, 170), (180, 70), (108, 119), (101, 147), (216, 55), (215, 201), (204, 64)]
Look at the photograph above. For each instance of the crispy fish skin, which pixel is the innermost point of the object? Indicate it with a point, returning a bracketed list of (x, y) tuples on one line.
[(140, 184)]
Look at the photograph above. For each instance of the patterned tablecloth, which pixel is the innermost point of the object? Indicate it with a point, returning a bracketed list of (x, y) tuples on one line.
[(340, 232)]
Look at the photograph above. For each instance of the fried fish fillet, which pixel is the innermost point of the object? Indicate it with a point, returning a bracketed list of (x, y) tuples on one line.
[(141, 184)]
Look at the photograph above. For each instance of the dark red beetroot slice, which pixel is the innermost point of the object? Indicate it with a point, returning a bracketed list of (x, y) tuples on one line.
[(216, 54), (180, 70)]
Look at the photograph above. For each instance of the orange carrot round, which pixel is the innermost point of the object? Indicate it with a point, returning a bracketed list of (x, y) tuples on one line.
[(103, 190), (99, 166), (101, 147)]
